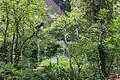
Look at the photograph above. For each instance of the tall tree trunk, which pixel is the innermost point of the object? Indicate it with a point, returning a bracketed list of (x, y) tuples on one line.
[(12, 50), (5, 35), (17, 53)]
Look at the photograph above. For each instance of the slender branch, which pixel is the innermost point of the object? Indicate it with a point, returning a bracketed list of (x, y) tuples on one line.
[(34, 33), (67, 50)]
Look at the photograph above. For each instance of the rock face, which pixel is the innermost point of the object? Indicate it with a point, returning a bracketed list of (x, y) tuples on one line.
[(54, 7)]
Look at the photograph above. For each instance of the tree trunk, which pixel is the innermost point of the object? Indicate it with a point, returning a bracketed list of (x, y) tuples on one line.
[(12, 50), (5, 35), (16, 44), (17, 52), (67, 52)]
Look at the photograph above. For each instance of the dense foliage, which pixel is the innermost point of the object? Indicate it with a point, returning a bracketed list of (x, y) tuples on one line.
[(84, 44)]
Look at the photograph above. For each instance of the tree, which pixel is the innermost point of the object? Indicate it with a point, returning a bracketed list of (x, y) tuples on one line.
[(91, 8), (20, 18)]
